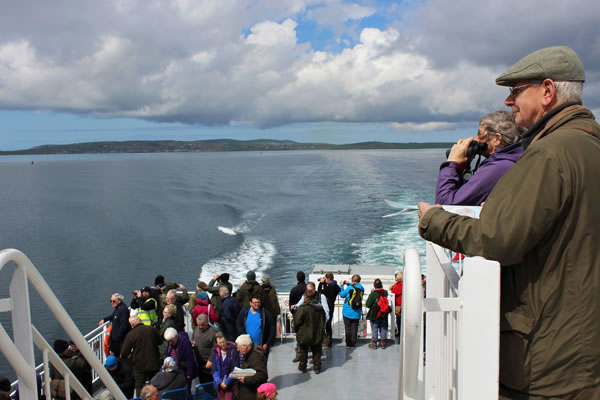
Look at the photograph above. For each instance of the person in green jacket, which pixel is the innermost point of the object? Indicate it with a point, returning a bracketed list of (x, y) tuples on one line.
[(379, 324), (540, 223), (309, 324)]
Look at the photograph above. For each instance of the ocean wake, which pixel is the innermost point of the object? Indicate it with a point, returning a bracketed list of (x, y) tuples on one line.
[(228, 231), (252, 255), (388, 247)]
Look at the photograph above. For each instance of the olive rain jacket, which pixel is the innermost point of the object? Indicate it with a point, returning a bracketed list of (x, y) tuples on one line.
[(271, 301), (141, 347), (246, 291), (309, 323), (541, 223), (256, 360)]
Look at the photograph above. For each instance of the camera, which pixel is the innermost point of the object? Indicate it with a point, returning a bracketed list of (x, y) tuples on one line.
[(474, 149)]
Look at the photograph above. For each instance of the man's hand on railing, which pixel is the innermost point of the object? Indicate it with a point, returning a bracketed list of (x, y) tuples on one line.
[(424, 207)]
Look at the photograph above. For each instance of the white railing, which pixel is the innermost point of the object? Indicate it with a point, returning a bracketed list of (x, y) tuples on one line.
[(20, 353), (462, 311)]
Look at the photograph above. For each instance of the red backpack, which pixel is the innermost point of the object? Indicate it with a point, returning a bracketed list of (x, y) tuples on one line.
[(382, 307)]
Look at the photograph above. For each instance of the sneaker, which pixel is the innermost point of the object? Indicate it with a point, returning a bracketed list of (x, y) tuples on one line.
[(373, 345)]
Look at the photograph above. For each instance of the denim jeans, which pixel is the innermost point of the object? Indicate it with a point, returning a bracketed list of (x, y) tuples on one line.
[(379, 328)]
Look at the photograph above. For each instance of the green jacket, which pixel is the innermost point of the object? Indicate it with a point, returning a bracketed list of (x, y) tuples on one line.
[(371, 301), (542, 223), (309, 323)]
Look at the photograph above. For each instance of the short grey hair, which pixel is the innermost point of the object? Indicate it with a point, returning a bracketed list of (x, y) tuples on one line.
[(171, 293), (244, 339), (567, 91), (201, 318), (502, 122), (134, 318), (224, 290), (118, 296), (147, 391), (170, 334)]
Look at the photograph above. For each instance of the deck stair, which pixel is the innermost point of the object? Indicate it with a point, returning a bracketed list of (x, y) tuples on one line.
[(20, 352)]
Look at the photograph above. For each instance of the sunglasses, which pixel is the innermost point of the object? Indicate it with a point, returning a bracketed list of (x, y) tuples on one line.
[(517, 90)]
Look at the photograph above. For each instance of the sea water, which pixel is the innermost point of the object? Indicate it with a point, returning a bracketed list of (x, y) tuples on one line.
[(99, 224)]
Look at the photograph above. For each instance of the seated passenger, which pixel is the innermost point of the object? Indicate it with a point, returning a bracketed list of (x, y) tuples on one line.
[(499, 131), (169, 377)]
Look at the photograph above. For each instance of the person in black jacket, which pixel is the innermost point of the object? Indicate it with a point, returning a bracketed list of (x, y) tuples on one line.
[(122, 374), (330, 289), (257, 322), (119, 320), (298, 291), (229, 313)]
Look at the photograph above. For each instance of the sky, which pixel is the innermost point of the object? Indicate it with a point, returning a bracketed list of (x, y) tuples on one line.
[(329, 71)]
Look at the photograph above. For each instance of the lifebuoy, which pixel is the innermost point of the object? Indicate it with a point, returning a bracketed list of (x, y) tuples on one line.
[(107, 341)]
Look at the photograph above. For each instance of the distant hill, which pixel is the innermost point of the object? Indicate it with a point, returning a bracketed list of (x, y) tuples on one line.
[(173, 146)]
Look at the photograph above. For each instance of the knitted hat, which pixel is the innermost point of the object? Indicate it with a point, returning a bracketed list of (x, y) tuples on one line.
[(267, 388), (60, 346), (251, 276), (111, 362)]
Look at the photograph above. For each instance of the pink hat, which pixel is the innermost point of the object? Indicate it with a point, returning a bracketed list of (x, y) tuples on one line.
[(267, 388)]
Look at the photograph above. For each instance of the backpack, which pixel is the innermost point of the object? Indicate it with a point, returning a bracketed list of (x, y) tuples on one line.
[(356, 298), (382, 307)]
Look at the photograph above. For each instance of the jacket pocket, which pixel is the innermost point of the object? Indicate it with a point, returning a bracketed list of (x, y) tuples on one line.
[(515, 363)]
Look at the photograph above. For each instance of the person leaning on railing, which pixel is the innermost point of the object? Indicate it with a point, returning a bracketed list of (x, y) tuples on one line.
[(499, 132), (541, 224)]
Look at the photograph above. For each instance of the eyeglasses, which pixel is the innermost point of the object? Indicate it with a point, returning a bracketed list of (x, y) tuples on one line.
[(516, 90), (113, 301)]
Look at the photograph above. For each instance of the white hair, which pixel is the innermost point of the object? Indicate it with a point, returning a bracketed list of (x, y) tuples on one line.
[(170, 334), (567, 91), (224, 290), (134, 318), (244, 340), (118, 296)]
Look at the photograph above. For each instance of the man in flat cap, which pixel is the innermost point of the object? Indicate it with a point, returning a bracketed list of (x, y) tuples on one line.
[(541, 223)]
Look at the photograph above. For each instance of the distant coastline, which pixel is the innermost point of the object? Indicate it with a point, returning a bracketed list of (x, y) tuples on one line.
[(173, 146)]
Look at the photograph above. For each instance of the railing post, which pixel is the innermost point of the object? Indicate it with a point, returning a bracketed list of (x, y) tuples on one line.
[(479, 329), (22, 336), (412, 316)]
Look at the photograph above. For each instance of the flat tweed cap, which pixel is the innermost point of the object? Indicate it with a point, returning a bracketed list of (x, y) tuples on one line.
[(558, 63)]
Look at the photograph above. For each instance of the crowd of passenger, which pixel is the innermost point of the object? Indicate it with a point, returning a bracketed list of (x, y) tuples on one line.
[(149, 351)]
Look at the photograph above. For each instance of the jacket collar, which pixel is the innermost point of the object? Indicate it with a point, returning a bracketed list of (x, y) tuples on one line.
[(533, 133)]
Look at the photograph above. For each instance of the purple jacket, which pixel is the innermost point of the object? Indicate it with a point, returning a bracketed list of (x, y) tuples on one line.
[(451, 190), (184, 355), (222, 368)]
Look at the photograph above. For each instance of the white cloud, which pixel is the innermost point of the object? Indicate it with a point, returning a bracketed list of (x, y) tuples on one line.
[(239, 61), (425, 127)]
